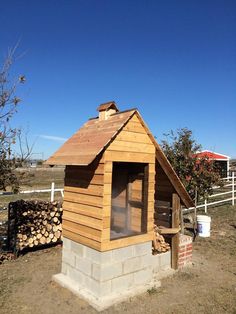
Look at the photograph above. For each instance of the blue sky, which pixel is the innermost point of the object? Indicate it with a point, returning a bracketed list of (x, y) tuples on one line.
[(173, 60)]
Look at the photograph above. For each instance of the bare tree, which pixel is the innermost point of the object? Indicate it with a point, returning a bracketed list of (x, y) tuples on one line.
[(25, 147), (9, 102)]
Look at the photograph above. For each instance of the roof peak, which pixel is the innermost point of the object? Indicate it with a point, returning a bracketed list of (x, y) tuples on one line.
[(108, 105), (106, 110)]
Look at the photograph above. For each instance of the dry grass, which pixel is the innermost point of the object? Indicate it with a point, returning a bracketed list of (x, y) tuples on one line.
[(36, 178)]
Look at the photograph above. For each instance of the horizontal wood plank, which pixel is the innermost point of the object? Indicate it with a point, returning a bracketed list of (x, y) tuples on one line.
[(84, 182), (83, 220), (80, 239), (84, 199), (133, 126), (129, 157), (96, 190), (82, 230), (115, 244), (131, 147), (133, 137), (83, 209)]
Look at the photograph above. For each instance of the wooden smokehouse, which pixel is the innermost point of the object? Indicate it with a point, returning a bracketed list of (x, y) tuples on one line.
[(115, 175)]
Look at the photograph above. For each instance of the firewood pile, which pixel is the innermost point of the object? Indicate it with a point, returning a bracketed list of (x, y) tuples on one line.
[(34, 223), (159, 245), (6, 257)]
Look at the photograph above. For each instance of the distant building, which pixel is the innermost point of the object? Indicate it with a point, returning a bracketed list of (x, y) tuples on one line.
[(221, 161), (32, 163)]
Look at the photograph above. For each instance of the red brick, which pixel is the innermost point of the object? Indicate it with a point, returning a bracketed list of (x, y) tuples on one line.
[(189, 258), (188, 253), (181, 264)]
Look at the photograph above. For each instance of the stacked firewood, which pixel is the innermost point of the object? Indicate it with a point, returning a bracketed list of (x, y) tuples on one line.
[(6, 257), (35, 223), (159, 245)]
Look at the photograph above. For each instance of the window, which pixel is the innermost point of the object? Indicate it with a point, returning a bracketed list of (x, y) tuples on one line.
[(129, 199)]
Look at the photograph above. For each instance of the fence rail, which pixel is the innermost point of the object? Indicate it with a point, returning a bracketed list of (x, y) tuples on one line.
[(205, 205), (52, 191)]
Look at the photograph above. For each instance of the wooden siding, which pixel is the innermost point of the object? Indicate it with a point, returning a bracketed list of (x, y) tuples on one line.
[(163, 186), (83, 204), (132, 144), (88, 191)]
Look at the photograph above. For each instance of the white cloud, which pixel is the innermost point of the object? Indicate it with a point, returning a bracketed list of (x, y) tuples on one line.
[(53, 138)]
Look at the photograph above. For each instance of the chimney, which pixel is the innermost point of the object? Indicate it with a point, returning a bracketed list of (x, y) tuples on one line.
[(107, 109)]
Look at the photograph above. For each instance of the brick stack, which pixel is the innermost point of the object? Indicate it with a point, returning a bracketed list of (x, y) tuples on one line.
[(185, 250)]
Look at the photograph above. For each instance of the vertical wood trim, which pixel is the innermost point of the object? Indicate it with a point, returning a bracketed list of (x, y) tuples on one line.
[(145, 192), (128, 207), (107, 191), (175, 224), (150, 197), (181, 220)]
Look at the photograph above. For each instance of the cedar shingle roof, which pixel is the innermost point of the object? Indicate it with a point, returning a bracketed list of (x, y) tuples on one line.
[(85, 145)]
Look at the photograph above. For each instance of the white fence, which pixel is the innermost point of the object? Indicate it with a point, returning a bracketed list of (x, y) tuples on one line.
[(52, 191), (230, 183)]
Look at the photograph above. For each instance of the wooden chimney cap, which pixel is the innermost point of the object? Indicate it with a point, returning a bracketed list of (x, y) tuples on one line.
[(108, 105)]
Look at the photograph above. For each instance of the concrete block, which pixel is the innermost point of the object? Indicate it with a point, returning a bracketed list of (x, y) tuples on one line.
[(155, 259), (97, 257), (165, 260), (102, 303), (143, 276), (122, 283), (103, 272), (84, 265), (131, 265), (68, 257), (146, 260), (99, 289), (122, 254), (143, 249), (64, 268), (77, 276), (77, 248), (67, 243)]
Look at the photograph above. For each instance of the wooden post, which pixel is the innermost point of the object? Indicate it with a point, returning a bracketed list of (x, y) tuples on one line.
[(175, 224), (205, 204), (233, 188), (52, 191), (181, 220), (195, 212)]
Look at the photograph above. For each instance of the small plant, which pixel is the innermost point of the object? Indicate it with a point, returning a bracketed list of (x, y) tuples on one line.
[(152, 290)]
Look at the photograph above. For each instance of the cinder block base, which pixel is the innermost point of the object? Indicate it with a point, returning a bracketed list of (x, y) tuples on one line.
[(106, 278), (102, 303)]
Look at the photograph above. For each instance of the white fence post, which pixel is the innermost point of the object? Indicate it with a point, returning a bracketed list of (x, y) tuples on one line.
[(233, 188), (205, 205), (52, 191)]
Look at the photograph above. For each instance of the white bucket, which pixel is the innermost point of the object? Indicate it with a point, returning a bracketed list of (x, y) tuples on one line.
[(203, 225)]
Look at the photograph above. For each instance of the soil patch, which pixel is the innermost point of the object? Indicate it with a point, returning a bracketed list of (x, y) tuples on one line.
[(207, 286)]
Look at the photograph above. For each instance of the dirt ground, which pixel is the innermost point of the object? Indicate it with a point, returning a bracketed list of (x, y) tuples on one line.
[(207, 286)]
